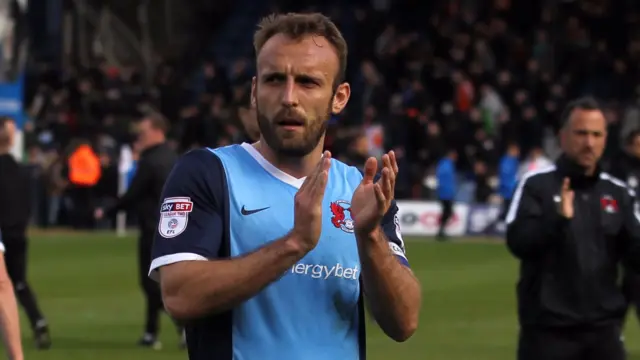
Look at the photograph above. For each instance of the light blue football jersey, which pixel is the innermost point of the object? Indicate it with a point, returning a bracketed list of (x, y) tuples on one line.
[(315, 310)]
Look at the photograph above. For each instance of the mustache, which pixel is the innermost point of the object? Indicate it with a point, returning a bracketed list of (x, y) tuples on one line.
[(288, 116)]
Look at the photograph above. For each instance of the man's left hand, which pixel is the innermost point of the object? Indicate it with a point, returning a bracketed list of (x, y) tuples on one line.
[(371, 200)]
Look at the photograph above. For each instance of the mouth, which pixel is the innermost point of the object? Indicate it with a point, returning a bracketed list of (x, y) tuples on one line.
[(290, 124)]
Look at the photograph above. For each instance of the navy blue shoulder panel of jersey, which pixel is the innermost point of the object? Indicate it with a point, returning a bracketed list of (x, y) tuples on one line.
[(390, 224), (200, 176), (197, 179)]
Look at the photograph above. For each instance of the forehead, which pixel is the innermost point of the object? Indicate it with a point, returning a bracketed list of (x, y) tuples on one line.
[(309, 54), (592, 120), (144, 124)]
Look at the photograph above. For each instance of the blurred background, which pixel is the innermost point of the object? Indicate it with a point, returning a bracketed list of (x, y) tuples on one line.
[(467, 92), (427, 78)]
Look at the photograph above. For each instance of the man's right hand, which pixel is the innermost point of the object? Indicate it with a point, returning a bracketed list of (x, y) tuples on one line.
[(308, 206), (565, 208)]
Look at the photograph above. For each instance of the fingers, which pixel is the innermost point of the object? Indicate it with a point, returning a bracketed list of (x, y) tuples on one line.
[(394, 162), (389, 172), (370, 168), (380, 198), (386, 183), (319, 187), (323, 164), (566, 185), (569, 195), (386, 161), (320, 176)]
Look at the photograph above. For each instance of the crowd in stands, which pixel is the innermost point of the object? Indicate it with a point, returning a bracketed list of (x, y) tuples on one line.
[(428, 78)]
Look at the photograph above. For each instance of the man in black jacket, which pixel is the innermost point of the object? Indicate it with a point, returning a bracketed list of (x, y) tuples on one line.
[(571, 225), (15, 211), (153, 168), (627, 167)]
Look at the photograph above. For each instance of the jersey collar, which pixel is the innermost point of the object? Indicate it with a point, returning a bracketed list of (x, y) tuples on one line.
[(271, 169)]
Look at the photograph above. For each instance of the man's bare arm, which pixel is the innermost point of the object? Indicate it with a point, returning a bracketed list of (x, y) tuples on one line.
[(9, 319), (392, 291), (192, 289)]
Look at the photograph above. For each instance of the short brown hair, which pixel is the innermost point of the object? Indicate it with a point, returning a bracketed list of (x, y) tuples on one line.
[(157, 122), (296, 26)]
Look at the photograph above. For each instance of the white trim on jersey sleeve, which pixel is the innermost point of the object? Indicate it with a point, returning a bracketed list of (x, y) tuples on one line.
[(171, 259), (2, 249), (517, 196), (397, 250)]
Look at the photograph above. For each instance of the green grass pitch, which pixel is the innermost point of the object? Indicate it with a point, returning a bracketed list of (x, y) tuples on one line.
[(88, 288)]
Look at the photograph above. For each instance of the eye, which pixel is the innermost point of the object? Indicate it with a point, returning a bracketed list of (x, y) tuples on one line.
[(307, 81), (274, 78)]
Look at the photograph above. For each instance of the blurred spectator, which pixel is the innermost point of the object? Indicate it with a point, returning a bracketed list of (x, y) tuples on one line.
[(508, 176), (535, 161), (446, 176)]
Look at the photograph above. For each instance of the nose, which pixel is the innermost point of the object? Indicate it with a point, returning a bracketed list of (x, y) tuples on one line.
[(289, 93), (591, 141)]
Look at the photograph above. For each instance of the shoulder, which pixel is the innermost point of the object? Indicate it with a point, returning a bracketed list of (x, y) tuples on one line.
[(351, 173), (198, 171), (539, 177), (231, 151), (616, 184), (348, 172), (200, 161)]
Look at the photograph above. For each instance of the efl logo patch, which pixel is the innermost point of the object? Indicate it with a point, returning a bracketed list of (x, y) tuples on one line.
[(174, 216)]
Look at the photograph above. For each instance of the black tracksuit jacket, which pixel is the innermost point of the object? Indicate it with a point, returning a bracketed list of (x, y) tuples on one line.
[(143, 194), (569, 267), (15, 196)]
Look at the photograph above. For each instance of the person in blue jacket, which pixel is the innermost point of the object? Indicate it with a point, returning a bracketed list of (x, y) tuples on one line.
[(507, 181), (446, 175), (508, 176)]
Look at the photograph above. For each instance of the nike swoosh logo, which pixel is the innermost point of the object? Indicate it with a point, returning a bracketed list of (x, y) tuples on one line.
[(249, 212)]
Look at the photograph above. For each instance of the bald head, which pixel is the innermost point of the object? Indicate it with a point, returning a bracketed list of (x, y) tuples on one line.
[(7, 133)]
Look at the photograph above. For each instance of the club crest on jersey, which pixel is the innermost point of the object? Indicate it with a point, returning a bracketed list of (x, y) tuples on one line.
[(341, 218), (609, 204), (174, 216)]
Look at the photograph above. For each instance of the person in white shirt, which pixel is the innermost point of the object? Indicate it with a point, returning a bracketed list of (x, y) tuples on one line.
[(536, 160)]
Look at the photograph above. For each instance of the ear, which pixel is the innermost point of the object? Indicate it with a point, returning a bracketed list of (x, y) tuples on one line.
[(254, 81), (562, 133), (341, 98)]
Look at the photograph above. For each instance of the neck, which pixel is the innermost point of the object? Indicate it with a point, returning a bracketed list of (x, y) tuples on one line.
[(154, 143), (295, 166), (4, 151), (580, 170)]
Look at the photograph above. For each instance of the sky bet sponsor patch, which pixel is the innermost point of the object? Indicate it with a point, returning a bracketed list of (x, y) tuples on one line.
[(174, 216)]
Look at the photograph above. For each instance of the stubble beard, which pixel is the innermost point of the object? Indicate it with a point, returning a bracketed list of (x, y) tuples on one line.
[(298, 144)]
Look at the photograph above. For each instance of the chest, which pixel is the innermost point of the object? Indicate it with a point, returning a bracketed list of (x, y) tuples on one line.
[(265, 213), (597, 211)]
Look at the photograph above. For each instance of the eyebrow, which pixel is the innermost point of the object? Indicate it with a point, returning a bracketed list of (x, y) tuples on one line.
[(590, 131), (297, 76)]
